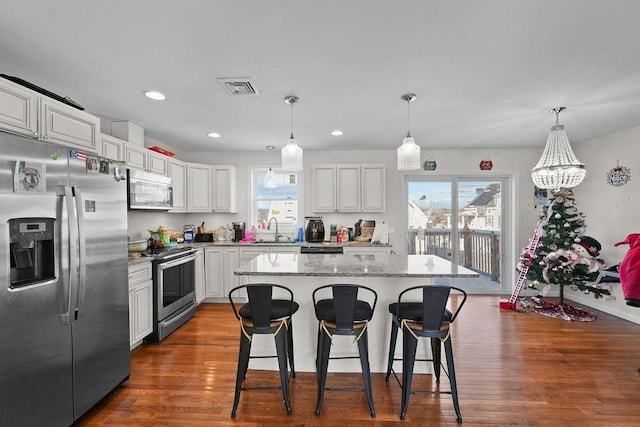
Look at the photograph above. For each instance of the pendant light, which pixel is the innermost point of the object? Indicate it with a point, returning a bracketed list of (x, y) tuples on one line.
[(270, 177), (558, 167), (408, 152), (291, 153)]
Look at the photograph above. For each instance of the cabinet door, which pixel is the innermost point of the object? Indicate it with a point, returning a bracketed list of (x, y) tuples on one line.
[(373, 188), (231, 263), (112, 147), (198, 188), (157, 163), (66, 125), (348, 188), (324, 188), (143, 310), (18, 109), (135, 157), (200, 277), (224, 191), (177, 170), (214, 273)]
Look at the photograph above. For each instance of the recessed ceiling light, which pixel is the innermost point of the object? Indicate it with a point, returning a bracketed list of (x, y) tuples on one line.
[(156, 96), (214, 134), (337, 132)]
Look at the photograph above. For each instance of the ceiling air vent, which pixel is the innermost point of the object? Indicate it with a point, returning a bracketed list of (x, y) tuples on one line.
[(239, 86)]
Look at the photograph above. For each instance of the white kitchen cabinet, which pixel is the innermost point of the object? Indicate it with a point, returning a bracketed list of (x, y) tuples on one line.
[(224, 195), (18, 109), (62, 124), (140, 302), (198, 187), (374, 193), (136, 157), (220, 263), (200, 276), (349, 188), (336, 188), (157, 162), (112, 147), (29, 113), (177, 170)]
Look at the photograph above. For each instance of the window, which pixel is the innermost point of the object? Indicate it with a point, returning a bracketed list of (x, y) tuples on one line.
[(282, 202)]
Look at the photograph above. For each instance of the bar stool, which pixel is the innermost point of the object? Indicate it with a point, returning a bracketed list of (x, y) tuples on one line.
[(428, 318), (263, 314), (343, 314)]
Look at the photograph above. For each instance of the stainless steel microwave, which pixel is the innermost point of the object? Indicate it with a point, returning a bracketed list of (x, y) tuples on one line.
[(149, 191)]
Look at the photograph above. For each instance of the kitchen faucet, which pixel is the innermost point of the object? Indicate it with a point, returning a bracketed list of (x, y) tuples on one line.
[(273, 218)]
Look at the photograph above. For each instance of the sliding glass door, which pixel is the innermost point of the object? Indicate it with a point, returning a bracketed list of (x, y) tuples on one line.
[(460, 219)]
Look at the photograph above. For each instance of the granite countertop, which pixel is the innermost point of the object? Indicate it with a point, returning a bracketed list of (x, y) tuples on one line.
[(229, 243), (338, 265)]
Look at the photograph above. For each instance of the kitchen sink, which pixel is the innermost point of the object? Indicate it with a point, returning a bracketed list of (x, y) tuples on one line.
[(273, 242)]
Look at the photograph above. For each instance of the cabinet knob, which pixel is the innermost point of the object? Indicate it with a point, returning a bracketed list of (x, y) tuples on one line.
[(35, 134)]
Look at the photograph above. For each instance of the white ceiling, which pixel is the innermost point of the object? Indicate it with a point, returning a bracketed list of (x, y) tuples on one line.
[(485, 72)]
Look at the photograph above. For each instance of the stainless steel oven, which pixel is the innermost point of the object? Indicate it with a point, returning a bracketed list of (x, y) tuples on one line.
[(173, 291)]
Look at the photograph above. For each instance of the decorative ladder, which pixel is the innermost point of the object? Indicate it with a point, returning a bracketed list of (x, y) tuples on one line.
[(530, 255)]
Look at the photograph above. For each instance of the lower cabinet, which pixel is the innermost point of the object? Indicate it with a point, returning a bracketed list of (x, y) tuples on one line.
[(200, 276), (220, 263), (140, 303)]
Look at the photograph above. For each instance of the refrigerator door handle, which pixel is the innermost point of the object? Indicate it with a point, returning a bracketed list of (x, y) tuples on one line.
[(82, 251), (72, 240)]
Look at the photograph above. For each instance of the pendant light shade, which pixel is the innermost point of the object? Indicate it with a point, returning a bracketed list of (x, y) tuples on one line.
[(270, 180), (292, 152), (409, 151), (558, 167)]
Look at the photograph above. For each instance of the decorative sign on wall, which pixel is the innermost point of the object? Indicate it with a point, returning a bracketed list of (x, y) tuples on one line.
[(486, 164), (619, 175), (430, 164)]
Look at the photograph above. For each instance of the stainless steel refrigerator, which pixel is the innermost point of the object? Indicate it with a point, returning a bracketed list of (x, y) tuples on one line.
[(64, 310)]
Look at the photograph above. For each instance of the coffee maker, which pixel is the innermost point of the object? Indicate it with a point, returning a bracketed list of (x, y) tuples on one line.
[(238, 231)]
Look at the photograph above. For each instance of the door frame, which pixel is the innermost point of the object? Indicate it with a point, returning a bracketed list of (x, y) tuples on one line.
[(508, 258)]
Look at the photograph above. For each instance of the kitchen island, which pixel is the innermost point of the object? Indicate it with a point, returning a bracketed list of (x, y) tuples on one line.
[(302, 273)]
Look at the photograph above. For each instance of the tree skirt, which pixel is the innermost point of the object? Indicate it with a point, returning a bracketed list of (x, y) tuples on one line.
[(563, 311)]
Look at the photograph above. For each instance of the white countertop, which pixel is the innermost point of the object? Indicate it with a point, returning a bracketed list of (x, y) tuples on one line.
[(338, 265)]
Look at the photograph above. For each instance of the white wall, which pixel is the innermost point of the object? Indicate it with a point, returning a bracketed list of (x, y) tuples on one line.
[(612, 212)]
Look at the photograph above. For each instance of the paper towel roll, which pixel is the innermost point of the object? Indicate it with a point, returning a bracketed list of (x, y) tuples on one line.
[(381, 234)]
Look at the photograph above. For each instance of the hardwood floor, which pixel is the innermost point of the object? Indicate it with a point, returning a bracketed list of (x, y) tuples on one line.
[(518, 369)]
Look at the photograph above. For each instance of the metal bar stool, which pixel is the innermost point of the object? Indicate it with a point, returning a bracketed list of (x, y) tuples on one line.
[(343, 314), (263, 314), (428, 318)]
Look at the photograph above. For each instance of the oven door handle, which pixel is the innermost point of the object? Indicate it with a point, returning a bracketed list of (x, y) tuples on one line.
[(175, 263)]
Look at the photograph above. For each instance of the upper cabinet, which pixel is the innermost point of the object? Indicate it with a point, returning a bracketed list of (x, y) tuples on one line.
[(349, 188), (135, 156), (374, 193), (112, 147), (18, 109), (198, 187), (157, 162), (177, 169), (224, 189), (26, 112)]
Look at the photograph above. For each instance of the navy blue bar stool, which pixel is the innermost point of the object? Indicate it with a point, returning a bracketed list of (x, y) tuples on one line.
[(343, 314), (428, 318), (263, 314)]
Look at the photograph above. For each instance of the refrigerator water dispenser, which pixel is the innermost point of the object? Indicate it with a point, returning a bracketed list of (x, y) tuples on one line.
[(31, 251)]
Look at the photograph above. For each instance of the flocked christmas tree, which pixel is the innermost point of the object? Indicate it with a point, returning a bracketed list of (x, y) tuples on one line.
[(565, 256)]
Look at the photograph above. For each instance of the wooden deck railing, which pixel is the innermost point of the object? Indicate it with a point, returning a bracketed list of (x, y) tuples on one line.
[(479, 249)]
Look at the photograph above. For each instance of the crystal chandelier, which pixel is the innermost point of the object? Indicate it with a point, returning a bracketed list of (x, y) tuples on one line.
[(292, 152), (270, 177), (558, 167), (408, 152)]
